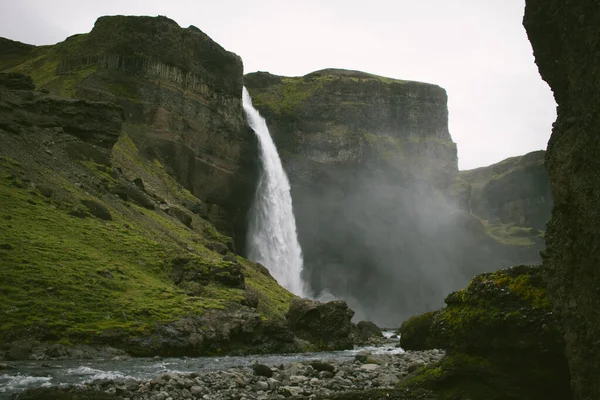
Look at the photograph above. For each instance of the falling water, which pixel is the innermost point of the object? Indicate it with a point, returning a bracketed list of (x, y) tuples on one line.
[(272, 239)]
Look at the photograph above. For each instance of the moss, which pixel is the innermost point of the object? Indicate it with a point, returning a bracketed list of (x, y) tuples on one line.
[(49, 275), (512, 234), (415, 332)]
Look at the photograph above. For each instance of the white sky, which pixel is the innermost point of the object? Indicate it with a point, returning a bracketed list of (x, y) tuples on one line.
[(476, 49)]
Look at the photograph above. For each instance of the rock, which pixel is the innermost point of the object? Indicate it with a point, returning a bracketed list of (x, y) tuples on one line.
[(105, 274), (327, 326), (250, 299), (414, 366), (321, 366), (388, 380), (16, 81), (139, 182), (414, 332), (367, 330), (326, 375), (181, 215), (298, 379), (129, 192), (262, 370), (217, 247), (273, 383), (196, 270), (499, 328), (369, 367), (260, 385), (362, 356), (572, 158), (97, 210)]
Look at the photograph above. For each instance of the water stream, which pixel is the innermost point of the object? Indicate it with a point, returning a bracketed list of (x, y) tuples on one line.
[(30, 374)]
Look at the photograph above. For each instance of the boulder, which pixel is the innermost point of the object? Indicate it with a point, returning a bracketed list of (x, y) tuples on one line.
[(502, 330), (414, 332), (327, 326), (367, 330)]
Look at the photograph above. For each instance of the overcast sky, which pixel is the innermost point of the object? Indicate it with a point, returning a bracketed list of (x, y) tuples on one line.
[(476, 49)]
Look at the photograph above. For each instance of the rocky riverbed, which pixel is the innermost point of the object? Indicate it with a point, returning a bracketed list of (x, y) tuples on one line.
[(307, 378)]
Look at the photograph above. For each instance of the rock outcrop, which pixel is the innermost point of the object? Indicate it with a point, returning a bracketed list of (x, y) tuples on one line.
[(564, 36), (515, 191), (328, 326), (501, 338), (181, 95), (381, 211)]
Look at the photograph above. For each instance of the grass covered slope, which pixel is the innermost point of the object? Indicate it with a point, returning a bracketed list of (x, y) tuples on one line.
[(89, 254)]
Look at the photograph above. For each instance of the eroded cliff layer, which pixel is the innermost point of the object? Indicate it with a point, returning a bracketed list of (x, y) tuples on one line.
[(564, 36), (382, 217), (181, 94), (514, 191)]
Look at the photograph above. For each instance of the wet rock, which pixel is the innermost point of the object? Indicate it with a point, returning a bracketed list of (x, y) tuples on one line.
[(367, 330), (321, 366), (262, 370), (327, 326)]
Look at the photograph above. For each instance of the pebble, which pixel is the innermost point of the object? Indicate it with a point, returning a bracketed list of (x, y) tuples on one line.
[(308, 379)]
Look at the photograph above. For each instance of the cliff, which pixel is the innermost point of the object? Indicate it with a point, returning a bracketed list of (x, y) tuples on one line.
[(514, 191), (120, 176), (92, 259), (181, 95), (382, 214), (565, 41)]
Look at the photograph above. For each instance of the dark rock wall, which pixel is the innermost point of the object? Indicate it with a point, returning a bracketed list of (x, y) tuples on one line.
[(181, 93), (566, 41)]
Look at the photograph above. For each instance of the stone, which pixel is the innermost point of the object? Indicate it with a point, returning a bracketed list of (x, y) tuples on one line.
[(362, 356), (262, 370), (321, 366), (367, 330), (327, 325), (326, 375), (273, 383), (369, 367)]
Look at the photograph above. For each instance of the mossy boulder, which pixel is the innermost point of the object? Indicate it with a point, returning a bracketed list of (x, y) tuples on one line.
[(502, 341), (415, 332)]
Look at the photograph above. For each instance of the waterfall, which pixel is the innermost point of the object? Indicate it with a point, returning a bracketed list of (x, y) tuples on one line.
[(272, 237)]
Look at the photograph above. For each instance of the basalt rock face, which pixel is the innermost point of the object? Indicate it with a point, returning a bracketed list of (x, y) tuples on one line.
[(514, 191), (564, 36), (181, 95), (382, 214)]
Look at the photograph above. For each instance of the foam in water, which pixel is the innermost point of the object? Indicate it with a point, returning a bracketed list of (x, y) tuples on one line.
[(272, 237)]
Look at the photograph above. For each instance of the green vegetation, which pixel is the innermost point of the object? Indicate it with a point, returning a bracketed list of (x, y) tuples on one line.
[(287, 94), (511, 234), (501, 341), (73, 278), (415, 332)]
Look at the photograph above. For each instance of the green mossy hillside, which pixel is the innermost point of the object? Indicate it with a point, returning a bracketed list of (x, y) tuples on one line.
[(65, 277)]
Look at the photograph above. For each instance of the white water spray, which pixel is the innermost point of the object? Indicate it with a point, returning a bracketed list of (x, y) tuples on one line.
[(272, 237)]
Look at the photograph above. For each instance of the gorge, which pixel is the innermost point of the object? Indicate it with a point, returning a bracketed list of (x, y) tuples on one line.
[(146, 212)]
